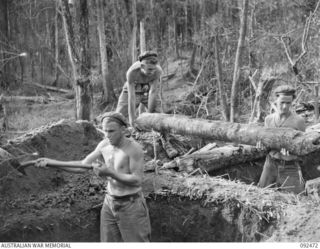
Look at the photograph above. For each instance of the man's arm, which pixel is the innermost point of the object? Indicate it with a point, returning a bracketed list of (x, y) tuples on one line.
[(72, 166), (152, 96), (134, 178), (155, 89), (131, 103)]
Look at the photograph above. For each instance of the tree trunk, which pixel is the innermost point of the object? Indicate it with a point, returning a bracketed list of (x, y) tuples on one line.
[(107, 85), (80, 63), (153, 24), (24, 99), (56, 44), (142, 37), (176, 39), (4, 30), (237, 63), (193, 58), (134, 32), (217, 158), (222, 96), (296, 142), (316, 103), (116, 20), (185, 26), (84, 84), (261, 100)]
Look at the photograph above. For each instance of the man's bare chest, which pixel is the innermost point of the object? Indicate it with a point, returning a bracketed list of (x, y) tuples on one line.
[(116, 159)]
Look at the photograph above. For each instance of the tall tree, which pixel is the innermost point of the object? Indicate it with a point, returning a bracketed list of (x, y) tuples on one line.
[(107, 84), (142, 37), (238, 61), (222, 96), (80, 62), (175, 23), (134, 32), (56, 43), (4, 37)]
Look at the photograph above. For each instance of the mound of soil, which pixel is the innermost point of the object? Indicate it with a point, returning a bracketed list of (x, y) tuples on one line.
[(50, 205)]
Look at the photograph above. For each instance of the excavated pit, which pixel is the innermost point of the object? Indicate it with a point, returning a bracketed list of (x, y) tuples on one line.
[(50, 205), (173, 219)]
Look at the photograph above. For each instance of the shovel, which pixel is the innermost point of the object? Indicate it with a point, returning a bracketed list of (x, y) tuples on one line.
[(21, 166)]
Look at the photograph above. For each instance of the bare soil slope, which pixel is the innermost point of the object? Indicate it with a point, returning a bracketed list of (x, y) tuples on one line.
[(49, 205)]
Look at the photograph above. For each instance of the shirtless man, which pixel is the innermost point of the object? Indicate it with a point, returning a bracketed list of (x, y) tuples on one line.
[(142, 88), (124, 214), (282, 168)]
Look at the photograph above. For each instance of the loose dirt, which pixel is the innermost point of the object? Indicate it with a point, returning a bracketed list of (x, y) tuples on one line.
[(51, 205)]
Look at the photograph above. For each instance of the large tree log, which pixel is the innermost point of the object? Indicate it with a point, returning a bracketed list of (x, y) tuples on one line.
[(296, 142), (216, 158)]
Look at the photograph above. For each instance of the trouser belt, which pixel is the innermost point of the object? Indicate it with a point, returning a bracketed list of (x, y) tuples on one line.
[(125, 197)]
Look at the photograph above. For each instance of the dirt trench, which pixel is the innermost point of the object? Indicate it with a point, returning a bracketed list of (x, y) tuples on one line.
[(50, 205)]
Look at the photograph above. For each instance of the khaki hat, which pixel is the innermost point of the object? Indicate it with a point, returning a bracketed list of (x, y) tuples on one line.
[(150, 55), (285, 90), (115, 117)]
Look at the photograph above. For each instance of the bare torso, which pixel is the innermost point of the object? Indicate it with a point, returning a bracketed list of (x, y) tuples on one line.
[(292, 121), (141, 81), (119, 160)]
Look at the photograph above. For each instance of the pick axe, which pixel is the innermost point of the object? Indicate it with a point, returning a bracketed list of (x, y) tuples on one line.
[(22, 166)]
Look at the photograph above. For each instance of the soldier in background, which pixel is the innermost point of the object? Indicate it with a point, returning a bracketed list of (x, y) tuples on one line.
[(282, 168), (143, 89)]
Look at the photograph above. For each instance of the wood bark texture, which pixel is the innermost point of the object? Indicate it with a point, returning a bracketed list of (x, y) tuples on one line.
[(80, 62), (217, 158), (238, 61), (222, 96), (296, 142)]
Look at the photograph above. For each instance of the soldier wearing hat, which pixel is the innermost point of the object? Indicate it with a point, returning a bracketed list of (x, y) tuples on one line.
[(282, 168), (124, 214), (142, 87)]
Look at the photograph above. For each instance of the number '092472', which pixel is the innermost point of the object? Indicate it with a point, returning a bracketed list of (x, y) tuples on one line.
[(308, 245)]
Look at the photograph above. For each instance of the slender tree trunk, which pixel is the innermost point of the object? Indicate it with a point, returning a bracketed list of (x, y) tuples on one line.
[(142, 37), (84, 84), (134, 32), (185, 29), (116, 20), (222, 96), (176, 39), (107, 85), (42, 66), (80, 63), (252, 55), (193, 57), (56, 44), (296, 142), (153, 24), (237, 63), (261, 100), (316, 103), (4, 30)]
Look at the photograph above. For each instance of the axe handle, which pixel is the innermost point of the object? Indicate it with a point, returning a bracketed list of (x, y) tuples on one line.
[(58, 164)]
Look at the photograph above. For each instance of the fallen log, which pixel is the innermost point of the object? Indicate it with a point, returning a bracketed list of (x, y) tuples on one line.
[(31, 99), (296, 142), (51, 88), (216, 158)]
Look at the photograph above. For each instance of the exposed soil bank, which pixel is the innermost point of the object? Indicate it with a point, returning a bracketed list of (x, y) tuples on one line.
[(50, 205)]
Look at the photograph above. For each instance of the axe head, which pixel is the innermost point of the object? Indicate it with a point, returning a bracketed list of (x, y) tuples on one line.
[(17, 165)]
